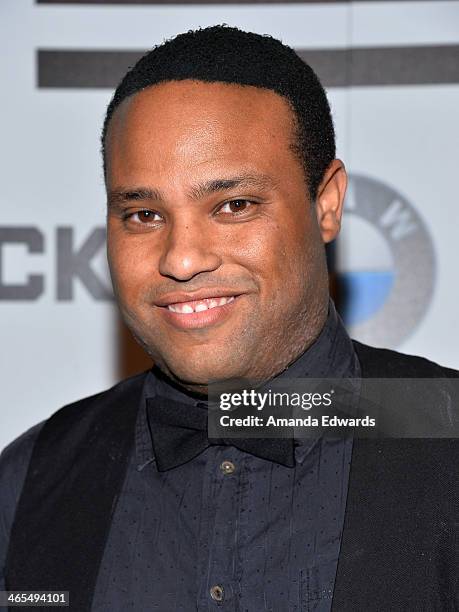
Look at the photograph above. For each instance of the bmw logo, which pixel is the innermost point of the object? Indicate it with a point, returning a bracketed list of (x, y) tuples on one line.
[(385, 263)]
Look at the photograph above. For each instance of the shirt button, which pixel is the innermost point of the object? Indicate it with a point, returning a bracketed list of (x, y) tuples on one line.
[(216, 592), (227, 467)]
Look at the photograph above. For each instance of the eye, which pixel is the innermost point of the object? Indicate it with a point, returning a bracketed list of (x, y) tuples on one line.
[(144, 217), (234, 207)]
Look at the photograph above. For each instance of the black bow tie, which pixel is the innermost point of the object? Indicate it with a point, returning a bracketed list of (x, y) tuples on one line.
[(179, 433)]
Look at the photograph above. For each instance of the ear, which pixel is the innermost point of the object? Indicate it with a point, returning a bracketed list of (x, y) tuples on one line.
[(330, 200)]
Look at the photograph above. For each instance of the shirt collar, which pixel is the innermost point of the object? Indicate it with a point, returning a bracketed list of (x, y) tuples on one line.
[(331, 355)]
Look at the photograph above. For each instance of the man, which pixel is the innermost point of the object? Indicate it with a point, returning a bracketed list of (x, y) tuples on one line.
[(222, 190)]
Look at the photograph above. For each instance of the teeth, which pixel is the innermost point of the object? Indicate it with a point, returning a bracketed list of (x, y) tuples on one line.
[(199, 305)]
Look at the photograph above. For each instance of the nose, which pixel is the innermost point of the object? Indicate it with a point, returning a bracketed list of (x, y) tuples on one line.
[(188, 251)]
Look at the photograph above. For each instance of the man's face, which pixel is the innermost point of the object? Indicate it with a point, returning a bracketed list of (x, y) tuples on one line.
[(215, 250)]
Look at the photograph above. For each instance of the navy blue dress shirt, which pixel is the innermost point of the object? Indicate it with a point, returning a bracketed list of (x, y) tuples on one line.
[(227, 530)]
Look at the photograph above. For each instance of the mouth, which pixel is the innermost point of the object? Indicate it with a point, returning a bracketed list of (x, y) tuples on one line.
[(196, 314), (200, 305)]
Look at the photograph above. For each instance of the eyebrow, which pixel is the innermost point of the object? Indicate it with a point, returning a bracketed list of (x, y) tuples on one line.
[(262, 182), (117, 197), (258, 181)]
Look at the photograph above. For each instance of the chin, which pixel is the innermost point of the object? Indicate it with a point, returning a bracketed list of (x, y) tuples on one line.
[(199, 372)]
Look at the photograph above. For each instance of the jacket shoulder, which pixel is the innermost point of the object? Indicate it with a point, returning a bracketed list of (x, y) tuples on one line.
[(14, 461), (131, 384), (88, 407), (386, 363), (15, 457)]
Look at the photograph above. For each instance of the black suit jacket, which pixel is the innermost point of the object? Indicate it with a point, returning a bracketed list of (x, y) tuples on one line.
[(400, 546)]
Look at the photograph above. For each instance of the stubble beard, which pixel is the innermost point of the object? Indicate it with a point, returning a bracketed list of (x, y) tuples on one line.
[(277, 347)]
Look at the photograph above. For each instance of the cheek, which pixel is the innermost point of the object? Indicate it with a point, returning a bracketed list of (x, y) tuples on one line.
[(259, 248), (279, 255), (131, 265)]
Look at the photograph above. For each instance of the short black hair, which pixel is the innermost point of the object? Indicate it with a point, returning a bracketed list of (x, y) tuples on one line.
[(226, 54)]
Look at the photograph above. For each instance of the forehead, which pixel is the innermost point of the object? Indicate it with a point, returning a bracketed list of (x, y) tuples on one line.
[(195, 121)]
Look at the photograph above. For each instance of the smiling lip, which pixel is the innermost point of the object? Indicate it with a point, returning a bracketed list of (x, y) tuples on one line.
[(206, 307)]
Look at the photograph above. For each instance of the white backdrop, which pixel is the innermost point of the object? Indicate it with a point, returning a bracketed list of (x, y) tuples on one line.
[(396, 114)]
